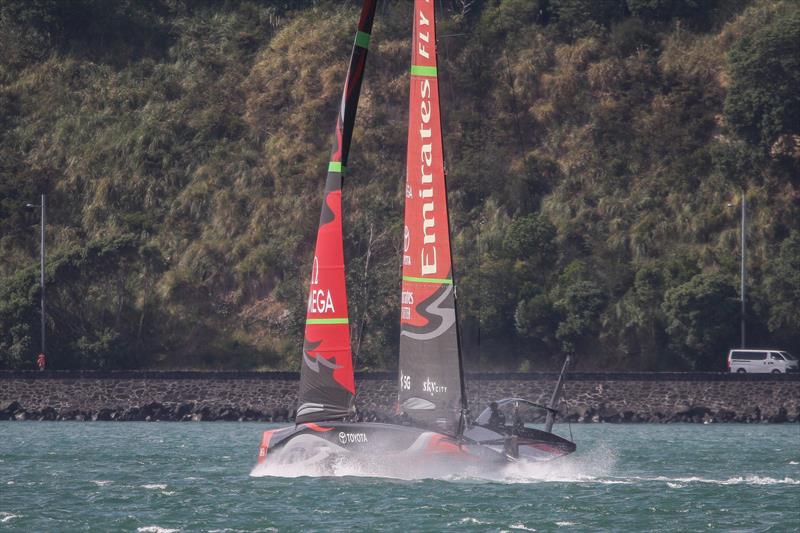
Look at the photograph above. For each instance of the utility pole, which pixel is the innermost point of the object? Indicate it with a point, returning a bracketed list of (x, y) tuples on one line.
[(41, 269), (43, 208), (743, 273), (742, 288)]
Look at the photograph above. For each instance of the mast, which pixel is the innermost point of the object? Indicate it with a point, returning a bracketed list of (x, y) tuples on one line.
[(431, 391), (552, 407), (327, 384)]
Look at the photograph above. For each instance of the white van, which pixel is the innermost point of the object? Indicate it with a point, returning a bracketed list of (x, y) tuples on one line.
[(763, 360)]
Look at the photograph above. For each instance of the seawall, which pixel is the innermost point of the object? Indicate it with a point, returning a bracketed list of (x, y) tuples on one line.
[(271, 396)]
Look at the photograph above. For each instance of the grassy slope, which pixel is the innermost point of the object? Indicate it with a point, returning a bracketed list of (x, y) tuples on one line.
[(183, 147)]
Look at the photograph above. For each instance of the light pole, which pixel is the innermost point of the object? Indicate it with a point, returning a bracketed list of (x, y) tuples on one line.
[(43, 208), (743, 274)]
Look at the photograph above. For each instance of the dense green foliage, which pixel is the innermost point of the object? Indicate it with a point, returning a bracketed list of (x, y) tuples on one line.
[(591, 149)]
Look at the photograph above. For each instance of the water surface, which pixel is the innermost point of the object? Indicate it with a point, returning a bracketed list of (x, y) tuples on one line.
[(169, 477)]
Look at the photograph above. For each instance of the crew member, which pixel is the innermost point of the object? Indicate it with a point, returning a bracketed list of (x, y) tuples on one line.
[(496, 418)]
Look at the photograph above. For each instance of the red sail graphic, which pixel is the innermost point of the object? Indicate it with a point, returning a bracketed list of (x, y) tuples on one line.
[(327, 387), (430, 372)]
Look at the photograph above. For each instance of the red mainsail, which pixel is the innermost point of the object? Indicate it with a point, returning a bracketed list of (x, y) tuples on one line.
[(431, 384), (327, 388)]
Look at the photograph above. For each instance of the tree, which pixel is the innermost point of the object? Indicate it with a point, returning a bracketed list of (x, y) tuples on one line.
[(697, 11), (535, 319), (531, 239), (580, 15), (763, 102), (783, 285), (580, 302), (702, 315), (18, 319)]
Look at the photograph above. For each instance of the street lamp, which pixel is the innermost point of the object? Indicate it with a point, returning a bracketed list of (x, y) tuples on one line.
[(741, 289), (43, 208)]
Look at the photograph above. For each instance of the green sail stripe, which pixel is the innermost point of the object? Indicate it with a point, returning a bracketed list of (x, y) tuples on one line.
[(441, 281), (419, 70), (327, 321), (336, 166), (362, 39)]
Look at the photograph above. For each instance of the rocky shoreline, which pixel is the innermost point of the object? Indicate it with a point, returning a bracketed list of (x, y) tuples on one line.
[(271, 397), (192, 412)]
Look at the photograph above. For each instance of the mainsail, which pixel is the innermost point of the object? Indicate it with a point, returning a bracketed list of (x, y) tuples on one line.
[(431, 377), (327, 386)]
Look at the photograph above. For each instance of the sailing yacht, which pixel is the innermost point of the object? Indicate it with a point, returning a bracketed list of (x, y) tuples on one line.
[(433, 412)]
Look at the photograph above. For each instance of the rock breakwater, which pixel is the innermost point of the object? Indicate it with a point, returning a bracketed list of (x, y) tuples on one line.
[(271, 397)]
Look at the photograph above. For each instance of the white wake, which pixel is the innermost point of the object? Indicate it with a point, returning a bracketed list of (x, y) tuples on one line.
[(590, 466)]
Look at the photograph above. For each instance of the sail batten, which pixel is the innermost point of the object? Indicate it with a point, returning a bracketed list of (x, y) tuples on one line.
[(431, 390), (327, 384)]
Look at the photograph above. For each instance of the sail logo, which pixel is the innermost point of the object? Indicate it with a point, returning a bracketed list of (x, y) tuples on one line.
[(432, 387), (315, 271), (352, 438), (320, 301), (439, 319), (405, 382), (428, 252), (424, 38)]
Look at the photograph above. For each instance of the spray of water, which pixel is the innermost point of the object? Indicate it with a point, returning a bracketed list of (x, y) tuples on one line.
[(592, 465)]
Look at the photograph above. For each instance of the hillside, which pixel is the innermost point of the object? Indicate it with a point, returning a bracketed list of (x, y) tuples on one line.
[(592, 149)]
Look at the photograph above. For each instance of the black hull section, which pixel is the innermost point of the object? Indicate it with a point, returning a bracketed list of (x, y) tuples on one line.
[(521, 443), (374, 441)]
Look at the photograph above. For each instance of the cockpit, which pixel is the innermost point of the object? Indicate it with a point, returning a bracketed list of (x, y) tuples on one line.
[(511, 413)]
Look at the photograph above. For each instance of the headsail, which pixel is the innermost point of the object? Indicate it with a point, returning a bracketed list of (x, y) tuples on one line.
[(327, 387), (431, 384)]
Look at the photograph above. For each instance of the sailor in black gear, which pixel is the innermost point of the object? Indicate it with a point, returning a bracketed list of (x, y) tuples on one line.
[(496, 418)]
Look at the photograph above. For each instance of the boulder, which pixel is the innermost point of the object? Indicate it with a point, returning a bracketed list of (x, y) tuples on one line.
[(725, 415), (155, 411), (132, 413), (689, 413), (202, 413), (9, 409), (252, 415), (780, 417), (229, 414), (609, 414), (184, 410), (280, 414), (638, 418), (585, 413), (48, 413), (751, 414), (104, 415)]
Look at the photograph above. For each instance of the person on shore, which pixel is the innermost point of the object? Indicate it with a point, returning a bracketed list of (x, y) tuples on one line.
[(41, 362)]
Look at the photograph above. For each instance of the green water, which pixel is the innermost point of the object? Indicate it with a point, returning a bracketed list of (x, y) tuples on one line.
[(160, 477)]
